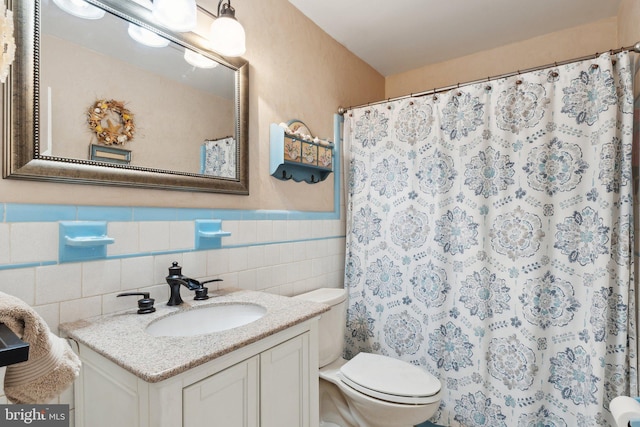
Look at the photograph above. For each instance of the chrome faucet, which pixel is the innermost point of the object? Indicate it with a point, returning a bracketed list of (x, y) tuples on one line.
[(175, 279)]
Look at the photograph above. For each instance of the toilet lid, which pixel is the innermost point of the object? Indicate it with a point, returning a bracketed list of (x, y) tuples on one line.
[(389, 379)]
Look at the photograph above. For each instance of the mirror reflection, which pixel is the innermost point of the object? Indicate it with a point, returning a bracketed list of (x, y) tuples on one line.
[(114, 92)]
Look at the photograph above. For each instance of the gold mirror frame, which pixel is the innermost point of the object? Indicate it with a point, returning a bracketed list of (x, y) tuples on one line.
[(20, 117)]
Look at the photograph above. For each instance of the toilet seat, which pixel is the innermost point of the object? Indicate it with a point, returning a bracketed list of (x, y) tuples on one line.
[(389, 379)]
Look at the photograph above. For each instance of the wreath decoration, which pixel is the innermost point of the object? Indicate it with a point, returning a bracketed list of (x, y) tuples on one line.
[(111, 122)]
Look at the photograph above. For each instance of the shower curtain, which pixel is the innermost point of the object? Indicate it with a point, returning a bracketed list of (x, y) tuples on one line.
[(490, 241)]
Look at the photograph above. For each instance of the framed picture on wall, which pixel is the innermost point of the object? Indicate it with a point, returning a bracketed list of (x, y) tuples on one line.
[(103, 153)]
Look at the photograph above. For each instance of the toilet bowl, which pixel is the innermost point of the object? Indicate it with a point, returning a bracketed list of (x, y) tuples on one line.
[(369, 390)]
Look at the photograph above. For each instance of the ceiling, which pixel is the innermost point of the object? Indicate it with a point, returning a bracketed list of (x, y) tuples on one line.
[(394, 36)]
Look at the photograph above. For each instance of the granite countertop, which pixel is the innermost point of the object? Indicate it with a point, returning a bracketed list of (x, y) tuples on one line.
[(121, 337)]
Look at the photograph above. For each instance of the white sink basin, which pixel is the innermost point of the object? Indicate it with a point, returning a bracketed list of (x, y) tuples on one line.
[(205, 320)]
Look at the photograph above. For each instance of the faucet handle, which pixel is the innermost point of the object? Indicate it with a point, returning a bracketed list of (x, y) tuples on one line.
[(145, 304), (212, 280), (201, 294)]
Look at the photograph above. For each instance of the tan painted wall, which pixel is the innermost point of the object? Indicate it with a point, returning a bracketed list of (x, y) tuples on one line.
[(558, 46), (158, 142), (296, 71), (629, 22)]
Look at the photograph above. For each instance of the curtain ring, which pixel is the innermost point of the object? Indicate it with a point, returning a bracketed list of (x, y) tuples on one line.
[(518, 81), (488, 86)]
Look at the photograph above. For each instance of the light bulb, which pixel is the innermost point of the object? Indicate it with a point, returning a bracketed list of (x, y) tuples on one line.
[(198, 60), (146, 37), (80, 9), (227, 37), (177, 15)]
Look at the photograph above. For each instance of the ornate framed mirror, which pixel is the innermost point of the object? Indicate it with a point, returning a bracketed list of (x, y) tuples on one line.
[(86, 103)]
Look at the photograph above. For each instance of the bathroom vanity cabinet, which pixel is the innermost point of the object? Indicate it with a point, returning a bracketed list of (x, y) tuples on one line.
[(270, 383)]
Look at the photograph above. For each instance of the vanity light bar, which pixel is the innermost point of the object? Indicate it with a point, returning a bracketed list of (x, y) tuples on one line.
[(80, 9)]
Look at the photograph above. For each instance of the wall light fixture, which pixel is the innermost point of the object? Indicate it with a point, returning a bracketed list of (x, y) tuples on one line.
[(227, 36)]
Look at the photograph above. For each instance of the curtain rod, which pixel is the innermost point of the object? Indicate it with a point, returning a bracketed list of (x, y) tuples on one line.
[(635, 48)]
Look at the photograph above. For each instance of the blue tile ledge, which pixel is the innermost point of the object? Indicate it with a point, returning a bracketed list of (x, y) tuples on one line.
[(83, 240), (88, 241), (209, 234)]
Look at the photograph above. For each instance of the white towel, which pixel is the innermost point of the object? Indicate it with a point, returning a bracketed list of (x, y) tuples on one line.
[(52, 365)]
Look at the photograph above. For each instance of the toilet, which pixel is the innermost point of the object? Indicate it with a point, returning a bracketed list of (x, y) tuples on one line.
[(369, 390)]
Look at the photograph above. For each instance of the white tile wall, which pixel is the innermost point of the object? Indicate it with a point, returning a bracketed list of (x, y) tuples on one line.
[(155, 236), (136, 272), (283, 257), (100, 277), (33, 242), (126, 237), (278, 256), (5, 254), (181, 234), (56, 283)]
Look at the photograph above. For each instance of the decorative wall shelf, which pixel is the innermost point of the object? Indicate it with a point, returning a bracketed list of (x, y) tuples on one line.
[(297, 155), (209, 234), (83, 240)]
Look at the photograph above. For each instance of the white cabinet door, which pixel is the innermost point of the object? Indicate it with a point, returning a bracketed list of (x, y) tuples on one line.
[(284, 384), (226, 399)]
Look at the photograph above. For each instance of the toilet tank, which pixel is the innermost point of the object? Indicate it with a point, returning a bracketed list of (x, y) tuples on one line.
[(332, 323)]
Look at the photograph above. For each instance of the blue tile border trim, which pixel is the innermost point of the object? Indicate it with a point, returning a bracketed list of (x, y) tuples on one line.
[(55, 213), (19, 212), (27, 265), (100, 213)]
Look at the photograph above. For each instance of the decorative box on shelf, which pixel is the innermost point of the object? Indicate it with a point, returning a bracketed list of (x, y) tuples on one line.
[(296, 155)]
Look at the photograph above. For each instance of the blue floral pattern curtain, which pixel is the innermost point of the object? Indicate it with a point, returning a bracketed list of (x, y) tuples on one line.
[(490, 241)]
